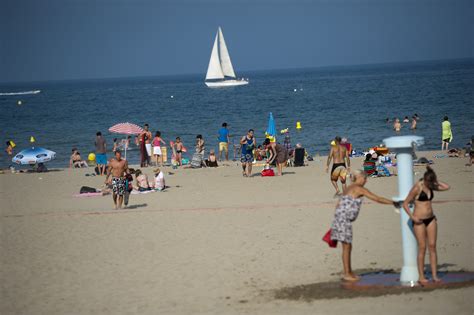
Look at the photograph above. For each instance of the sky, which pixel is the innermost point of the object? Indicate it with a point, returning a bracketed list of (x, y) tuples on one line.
[(78, 39)]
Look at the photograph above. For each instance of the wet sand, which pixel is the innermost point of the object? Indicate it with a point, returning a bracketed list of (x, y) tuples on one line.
[(217, 244)]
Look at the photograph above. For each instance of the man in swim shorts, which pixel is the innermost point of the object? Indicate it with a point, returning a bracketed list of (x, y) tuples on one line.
[(340, 156), (118, 167), (100, 153)]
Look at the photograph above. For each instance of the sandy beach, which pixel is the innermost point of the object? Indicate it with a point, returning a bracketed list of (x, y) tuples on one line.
[(213, 243)]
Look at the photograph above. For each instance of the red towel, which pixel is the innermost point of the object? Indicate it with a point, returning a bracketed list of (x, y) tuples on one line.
[(327, 239)]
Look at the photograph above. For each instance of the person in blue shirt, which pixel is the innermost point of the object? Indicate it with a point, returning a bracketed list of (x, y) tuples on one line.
[(224, 142)]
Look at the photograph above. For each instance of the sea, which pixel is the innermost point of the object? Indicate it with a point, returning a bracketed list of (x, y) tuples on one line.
[(347, 101)]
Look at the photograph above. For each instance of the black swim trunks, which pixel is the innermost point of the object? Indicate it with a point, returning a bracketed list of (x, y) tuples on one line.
[(118, 185), (335, 165)]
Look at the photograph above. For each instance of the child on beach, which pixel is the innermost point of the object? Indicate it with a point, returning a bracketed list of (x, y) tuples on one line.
[(9, 149), (157, 141), (116, 145), (178, 150)]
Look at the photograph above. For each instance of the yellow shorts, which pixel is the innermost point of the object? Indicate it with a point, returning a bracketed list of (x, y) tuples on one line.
[(223, 146)]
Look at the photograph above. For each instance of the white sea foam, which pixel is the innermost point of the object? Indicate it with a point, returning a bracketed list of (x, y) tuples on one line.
[(20, 93)]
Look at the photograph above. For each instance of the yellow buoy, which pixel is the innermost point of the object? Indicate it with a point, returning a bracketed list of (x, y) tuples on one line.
[(32, 139), (298, 125), (91, 157)]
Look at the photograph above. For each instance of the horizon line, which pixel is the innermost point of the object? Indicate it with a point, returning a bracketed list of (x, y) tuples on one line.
[(246, 70)]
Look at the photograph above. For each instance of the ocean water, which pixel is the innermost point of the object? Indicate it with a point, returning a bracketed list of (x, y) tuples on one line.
[(350, 101)]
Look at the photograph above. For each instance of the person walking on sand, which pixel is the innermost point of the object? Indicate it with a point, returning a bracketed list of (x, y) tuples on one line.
[(347, 210), (340, 158), (224, 142), (248, 143), (424, 222), (447, 134), (277, 153), (118, 167), (100, 153)]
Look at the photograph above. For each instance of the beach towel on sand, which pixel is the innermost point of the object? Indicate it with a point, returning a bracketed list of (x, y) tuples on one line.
[(92, 194)]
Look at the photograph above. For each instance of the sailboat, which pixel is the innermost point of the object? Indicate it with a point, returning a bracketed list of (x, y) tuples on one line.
[(220, 72)]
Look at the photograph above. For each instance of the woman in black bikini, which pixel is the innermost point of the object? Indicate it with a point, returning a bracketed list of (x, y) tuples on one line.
[(425, 225)]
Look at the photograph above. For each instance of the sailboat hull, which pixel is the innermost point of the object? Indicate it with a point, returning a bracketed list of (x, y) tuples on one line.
[(226, 83)]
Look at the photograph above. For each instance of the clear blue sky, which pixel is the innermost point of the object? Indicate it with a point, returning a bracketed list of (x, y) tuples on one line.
[(54, 40)]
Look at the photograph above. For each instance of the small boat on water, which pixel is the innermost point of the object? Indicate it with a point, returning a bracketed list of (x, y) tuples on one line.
[(220, 72)]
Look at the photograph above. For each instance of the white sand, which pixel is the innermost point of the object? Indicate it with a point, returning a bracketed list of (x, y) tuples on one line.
[(218, 244)]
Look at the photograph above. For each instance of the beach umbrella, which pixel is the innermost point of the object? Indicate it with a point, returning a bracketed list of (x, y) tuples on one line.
[(271, 129), (126, 129), (33, 156)]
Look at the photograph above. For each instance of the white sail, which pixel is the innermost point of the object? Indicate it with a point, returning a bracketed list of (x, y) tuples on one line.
[(226, 64), (214, 70)]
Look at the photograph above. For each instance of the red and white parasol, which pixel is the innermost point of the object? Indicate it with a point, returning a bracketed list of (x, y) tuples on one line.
[(126, 129)]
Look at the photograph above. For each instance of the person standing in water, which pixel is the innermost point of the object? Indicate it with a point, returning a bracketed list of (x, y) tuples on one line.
[(347, 210), (447, 134), (397, 126), (413, 123), (118, 167), (424, 222), (339, 157)]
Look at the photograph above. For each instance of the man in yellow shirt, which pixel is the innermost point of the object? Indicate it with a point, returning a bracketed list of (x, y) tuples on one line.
[(447, 134)]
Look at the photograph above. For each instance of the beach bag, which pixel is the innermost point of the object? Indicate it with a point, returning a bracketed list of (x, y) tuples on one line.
[(268, 172), (327, 239), (87, 189)]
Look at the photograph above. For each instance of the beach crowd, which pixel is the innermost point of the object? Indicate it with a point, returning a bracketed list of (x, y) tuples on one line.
[(119, 180)]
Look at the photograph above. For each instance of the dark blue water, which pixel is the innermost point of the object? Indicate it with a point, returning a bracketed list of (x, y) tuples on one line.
[(347, 101)]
